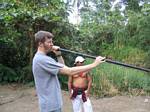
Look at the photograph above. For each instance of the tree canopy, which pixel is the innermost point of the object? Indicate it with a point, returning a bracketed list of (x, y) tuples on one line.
[(122, 35)]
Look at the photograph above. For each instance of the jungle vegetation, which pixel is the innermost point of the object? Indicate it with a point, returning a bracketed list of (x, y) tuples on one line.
[(104, 29)]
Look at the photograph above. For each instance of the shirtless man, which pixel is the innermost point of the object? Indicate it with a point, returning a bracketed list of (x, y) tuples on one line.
[(79, 88)]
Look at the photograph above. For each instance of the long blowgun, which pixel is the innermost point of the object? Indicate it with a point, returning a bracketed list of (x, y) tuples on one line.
[(107, 60)]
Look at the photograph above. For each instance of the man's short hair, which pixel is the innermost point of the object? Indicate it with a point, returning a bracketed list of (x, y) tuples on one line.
[(41, 36)]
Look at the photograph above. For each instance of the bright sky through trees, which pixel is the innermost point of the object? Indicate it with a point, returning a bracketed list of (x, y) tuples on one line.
[(75, 18)]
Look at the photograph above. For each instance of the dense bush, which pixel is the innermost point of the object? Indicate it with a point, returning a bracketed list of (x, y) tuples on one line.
[(122, 36)]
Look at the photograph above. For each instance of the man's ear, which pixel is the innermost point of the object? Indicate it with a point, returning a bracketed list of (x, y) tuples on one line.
[(40, 44)]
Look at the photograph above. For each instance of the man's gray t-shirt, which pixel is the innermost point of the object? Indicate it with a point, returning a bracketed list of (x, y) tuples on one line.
[(45, 70)]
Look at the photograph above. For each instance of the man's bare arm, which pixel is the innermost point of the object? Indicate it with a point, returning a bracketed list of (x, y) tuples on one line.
[(89, 84), (70, 83), (60, 59), (78, 69)]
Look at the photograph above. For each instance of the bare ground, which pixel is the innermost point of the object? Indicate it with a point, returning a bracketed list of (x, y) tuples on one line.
[(14, 98)]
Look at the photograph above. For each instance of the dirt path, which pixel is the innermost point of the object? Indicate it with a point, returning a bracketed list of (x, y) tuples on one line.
[(23, 99)]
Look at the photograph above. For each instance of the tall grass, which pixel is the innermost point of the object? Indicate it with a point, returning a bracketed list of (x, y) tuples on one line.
[(110, 80)]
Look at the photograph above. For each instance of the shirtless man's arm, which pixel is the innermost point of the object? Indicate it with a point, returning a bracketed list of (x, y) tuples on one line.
[(89, 79), (69, 85)]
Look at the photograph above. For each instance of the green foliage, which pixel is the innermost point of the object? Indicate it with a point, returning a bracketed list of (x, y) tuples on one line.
[(24, 74), (19, 20), (109, 80), (128, 55), (63, 81), (119, 35), (133, 5), (7, 74)]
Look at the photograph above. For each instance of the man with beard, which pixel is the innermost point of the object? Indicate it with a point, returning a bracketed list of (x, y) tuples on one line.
[(45, 70)]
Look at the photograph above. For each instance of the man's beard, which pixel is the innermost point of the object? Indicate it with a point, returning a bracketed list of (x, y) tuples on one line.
[(47, 49)]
